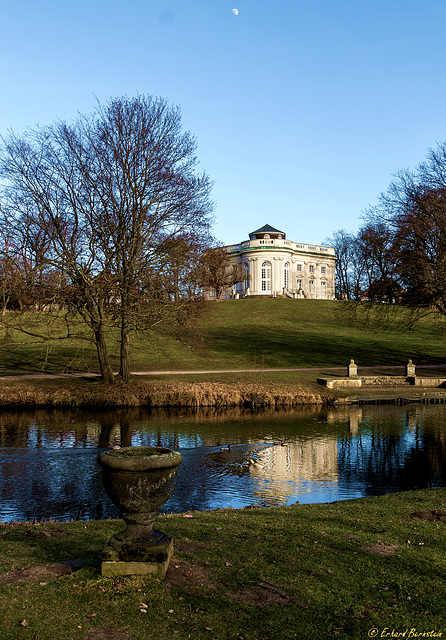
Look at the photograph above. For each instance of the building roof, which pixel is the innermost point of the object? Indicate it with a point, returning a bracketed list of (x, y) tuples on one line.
[(266, 229)]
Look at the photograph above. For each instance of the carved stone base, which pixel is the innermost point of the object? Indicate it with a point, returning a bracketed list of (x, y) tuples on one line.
[(114, 569), (142, 556)]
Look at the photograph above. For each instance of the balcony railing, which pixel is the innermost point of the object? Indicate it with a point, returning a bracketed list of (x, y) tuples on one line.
[(268, 243)]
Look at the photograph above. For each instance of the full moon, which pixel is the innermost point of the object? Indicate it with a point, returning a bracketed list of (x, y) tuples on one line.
[(235, 12)]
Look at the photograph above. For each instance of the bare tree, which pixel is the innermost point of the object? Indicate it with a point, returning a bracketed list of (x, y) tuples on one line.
[(218, 272), (349, 265), (10, 275), (420, 242), (412, 221), (179, 260), (376, 252), (96, 199)]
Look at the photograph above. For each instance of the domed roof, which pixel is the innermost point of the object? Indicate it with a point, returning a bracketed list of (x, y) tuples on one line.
[(268, 229)]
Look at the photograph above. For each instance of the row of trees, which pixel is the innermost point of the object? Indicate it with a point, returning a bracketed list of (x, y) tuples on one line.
[(365, 266), (399, 254), (106, 218)]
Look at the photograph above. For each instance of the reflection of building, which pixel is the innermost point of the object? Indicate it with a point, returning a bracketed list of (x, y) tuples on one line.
[(276, 266), (315, 459), (351, 414), (413, 417)]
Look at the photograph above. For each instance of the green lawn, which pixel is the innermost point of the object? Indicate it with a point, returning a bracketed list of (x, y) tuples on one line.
[(253, 333), (347, 570)]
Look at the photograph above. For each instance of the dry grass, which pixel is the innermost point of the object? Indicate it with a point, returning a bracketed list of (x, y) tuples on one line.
[(214, 394), (85, 393)]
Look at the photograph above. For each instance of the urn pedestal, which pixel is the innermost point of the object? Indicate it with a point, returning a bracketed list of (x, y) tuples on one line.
[(138, 480)]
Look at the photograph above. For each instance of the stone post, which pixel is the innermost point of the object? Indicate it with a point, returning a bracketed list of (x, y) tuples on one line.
[(410, 369), (352, 369)]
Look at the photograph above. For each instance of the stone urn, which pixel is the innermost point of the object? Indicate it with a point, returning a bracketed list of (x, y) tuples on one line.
[(138, 480)]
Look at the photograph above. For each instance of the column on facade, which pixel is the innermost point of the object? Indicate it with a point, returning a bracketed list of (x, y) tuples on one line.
[(254, 276), (322, 277), (305, 278), (277, 275), (294, 275)]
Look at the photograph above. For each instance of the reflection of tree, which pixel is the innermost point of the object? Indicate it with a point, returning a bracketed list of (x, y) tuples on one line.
[(107, 423), (53, 483), (425, 463), (117, 428), (52, 428), (126, 429), (48, 462), (383, 463)]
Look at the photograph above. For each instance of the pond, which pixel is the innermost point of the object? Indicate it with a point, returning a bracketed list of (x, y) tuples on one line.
[(233, 459)]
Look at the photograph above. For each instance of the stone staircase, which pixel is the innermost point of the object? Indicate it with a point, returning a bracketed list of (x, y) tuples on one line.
[(386, 381), (382, 382)]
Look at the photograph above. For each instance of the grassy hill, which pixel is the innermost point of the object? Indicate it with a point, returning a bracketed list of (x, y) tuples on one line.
[(253, 333)]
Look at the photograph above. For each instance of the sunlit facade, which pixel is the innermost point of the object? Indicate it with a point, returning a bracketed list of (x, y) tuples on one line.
[(275, 266)]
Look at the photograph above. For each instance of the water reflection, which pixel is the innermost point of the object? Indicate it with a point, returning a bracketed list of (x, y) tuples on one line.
[(409, 456), (231, 459)]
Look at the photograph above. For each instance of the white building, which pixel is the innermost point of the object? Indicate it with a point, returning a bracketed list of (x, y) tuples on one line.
[(277, 266)]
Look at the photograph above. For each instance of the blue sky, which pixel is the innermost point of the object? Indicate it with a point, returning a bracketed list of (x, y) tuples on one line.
[(303, 109)]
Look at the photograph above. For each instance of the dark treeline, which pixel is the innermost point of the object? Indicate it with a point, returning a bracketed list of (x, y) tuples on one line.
[(399, 253)]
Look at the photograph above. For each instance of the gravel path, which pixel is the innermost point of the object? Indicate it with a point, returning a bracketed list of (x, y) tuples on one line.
[(381, 369)]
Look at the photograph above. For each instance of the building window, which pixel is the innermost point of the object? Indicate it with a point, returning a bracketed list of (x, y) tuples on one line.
[(299, 285), (286, 275), (311, 286), (246, 275), (298, 267), (266, 235), (311, 269), (323, 270), (266, 276), (323, 288)]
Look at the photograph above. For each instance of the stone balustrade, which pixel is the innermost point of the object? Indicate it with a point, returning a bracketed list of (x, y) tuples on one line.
[(353, 380)]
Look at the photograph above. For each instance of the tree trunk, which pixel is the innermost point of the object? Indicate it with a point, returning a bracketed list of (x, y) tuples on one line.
[(104, 363), (126, 432), (124, 370), (5, 300), (107, 423)]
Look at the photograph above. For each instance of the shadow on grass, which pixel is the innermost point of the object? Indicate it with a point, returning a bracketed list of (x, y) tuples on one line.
[(78, 544), (289, 348)]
